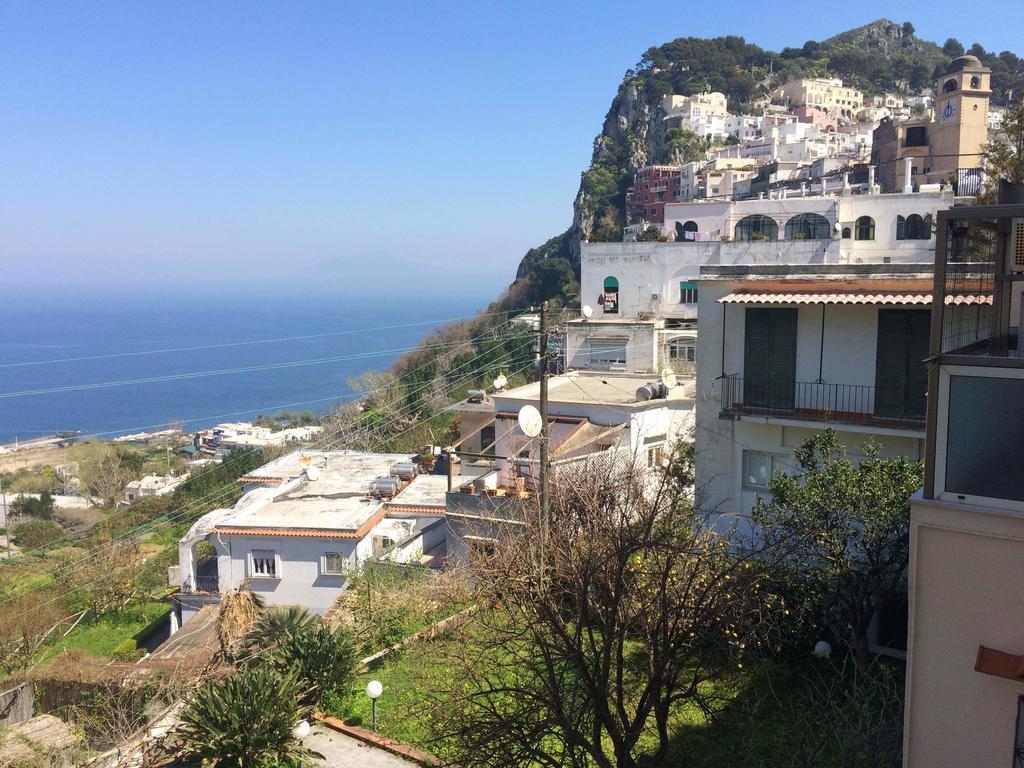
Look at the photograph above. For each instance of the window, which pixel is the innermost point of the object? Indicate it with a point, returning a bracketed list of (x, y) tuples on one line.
[(865, 228), (335, 564), (846, 233), (949, 86), (654, 456), (757, 227), (687, 293), (916, 136), (610, 297), (914, 227), (682, 351), (759, 468), (975, 82), (606, 354), (808, 226), (263, 564)]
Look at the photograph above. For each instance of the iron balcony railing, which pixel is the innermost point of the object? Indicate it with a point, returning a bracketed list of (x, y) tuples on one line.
[(200, 584), (819, 401)]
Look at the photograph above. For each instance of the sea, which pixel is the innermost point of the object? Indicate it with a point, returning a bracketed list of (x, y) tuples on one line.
[(122, 363)]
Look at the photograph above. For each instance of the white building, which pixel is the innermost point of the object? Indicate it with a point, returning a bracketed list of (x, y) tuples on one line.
[(786, 350), (242, 434), (305, 522), (151, 485), (593, 418)]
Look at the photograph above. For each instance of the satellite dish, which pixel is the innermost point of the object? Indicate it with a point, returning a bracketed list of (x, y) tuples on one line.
[(501, 382), (313, 473), (668, 378), (530, 421), (588, 311)]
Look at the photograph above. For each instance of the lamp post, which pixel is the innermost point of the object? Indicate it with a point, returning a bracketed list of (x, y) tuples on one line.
[(374, 689), (822, 649)]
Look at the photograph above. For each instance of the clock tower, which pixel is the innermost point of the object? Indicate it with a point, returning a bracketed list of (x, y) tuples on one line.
[(960, 126)]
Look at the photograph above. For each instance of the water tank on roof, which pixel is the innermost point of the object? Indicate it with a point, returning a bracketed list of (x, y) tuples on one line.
[(475, 396), (384, 486), (404, 470), (651, 391)]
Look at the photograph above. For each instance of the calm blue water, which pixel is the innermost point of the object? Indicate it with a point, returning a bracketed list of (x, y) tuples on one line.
[(69, 326)]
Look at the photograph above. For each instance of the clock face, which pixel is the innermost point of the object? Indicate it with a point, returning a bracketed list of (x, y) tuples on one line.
[(948, 110)]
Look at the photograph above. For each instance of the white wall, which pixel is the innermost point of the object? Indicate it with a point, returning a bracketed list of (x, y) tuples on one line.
[(301, 580), (639, 341)]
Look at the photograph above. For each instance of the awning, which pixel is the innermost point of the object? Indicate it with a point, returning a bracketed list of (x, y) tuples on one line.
[(852, 297), (585, 435)]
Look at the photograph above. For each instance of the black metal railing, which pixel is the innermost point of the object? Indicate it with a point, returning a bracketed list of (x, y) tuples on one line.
[(818, 401)]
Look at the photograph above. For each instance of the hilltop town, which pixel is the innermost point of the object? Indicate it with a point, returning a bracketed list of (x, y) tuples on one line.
[(738, 489)]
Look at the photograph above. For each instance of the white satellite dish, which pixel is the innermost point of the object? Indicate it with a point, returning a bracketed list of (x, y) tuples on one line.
[(530, 421), (313, 473), (501, 382), (668, 378), (588, 311)]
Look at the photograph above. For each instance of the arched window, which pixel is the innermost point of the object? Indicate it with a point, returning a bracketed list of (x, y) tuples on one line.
[(975, 82), (846, 233), (757, 227), (808, 226), (610, 297), (686, 231), (949, 86), (914, 227), (865, 228)]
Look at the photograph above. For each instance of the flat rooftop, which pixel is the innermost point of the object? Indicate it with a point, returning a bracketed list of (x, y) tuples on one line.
[(329, 462), (589, 388)]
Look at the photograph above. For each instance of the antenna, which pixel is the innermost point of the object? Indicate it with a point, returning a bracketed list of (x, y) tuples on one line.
[(530, 421), (668, 378), (588, 311)]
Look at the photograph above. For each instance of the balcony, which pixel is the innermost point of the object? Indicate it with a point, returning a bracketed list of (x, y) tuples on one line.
[(895, 408), (205, 580)]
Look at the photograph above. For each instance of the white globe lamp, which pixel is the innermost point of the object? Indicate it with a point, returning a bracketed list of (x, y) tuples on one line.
[(374, 689)]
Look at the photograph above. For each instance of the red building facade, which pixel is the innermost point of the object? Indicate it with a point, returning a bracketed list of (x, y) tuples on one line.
[(653, 186)]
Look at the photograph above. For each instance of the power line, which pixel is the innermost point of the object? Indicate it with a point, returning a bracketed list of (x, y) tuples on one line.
[(78, 565), (226, 345), (225, 371), (112, 544)]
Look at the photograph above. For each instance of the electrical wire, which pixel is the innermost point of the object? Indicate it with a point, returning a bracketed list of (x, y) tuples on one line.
[(228, 344), (230, 487)]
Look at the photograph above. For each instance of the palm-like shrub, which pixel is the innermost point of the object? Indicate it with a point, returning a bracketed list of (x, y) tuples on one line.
[(244, 720), (293, 641)]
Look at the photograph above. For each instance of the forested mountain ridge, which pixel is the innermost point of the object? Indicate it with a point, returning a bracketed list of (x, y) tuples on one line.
[(880, 56)]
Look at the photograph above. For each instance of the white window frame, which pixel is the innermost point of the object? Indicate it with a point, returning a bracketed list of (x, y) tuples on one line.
[(252, 564), (325, 569), (777, 461), (687, 344)]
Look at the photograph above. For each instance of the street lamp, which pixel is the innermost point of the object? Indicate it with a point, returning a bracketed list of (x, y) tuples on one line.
[(822, 649), (301, 730), (374, 689)]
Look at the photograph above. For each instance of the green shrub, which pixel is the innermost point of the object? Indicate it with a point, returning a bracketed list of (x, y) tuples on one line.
[(36, 534), (244, 721), (127, 650)]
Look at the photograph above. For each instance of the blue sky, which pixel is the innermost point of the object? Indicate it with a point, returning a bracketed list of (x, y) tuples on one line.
[(336, 145)]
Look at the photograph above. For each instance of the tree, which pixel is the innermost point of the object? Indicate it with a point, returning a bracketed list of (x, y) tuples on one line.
[(244, 721), (907, 30), (1004, 155), (108, 468), (840, 528), (36, 534), (652, 235), (683, 146), (953, 47), (603, 623), (41, 508)]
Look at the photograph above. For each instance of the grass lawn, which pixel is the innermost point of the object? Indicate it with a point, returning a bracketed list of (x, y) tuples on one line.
[(763, 718), (99, 637)]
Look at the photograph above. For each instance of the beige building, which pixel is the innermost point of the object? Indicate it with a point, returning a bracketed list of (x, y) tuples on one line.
[(944, 146), (828, 93), (965, 672), (710, 104)]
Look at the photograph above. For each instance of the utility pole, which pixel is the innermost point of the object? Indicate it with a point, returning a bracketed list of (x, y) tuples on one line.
[(545, 469), (7, 523)]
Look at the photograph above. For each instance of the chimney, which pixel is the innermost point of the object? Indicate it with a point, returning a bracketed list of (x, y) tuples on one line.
[(908, 187), (871, 179)]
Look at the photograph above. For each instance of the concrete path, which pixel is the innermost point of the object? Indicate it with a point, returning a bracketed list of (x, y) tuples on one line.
[(341, 751)]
